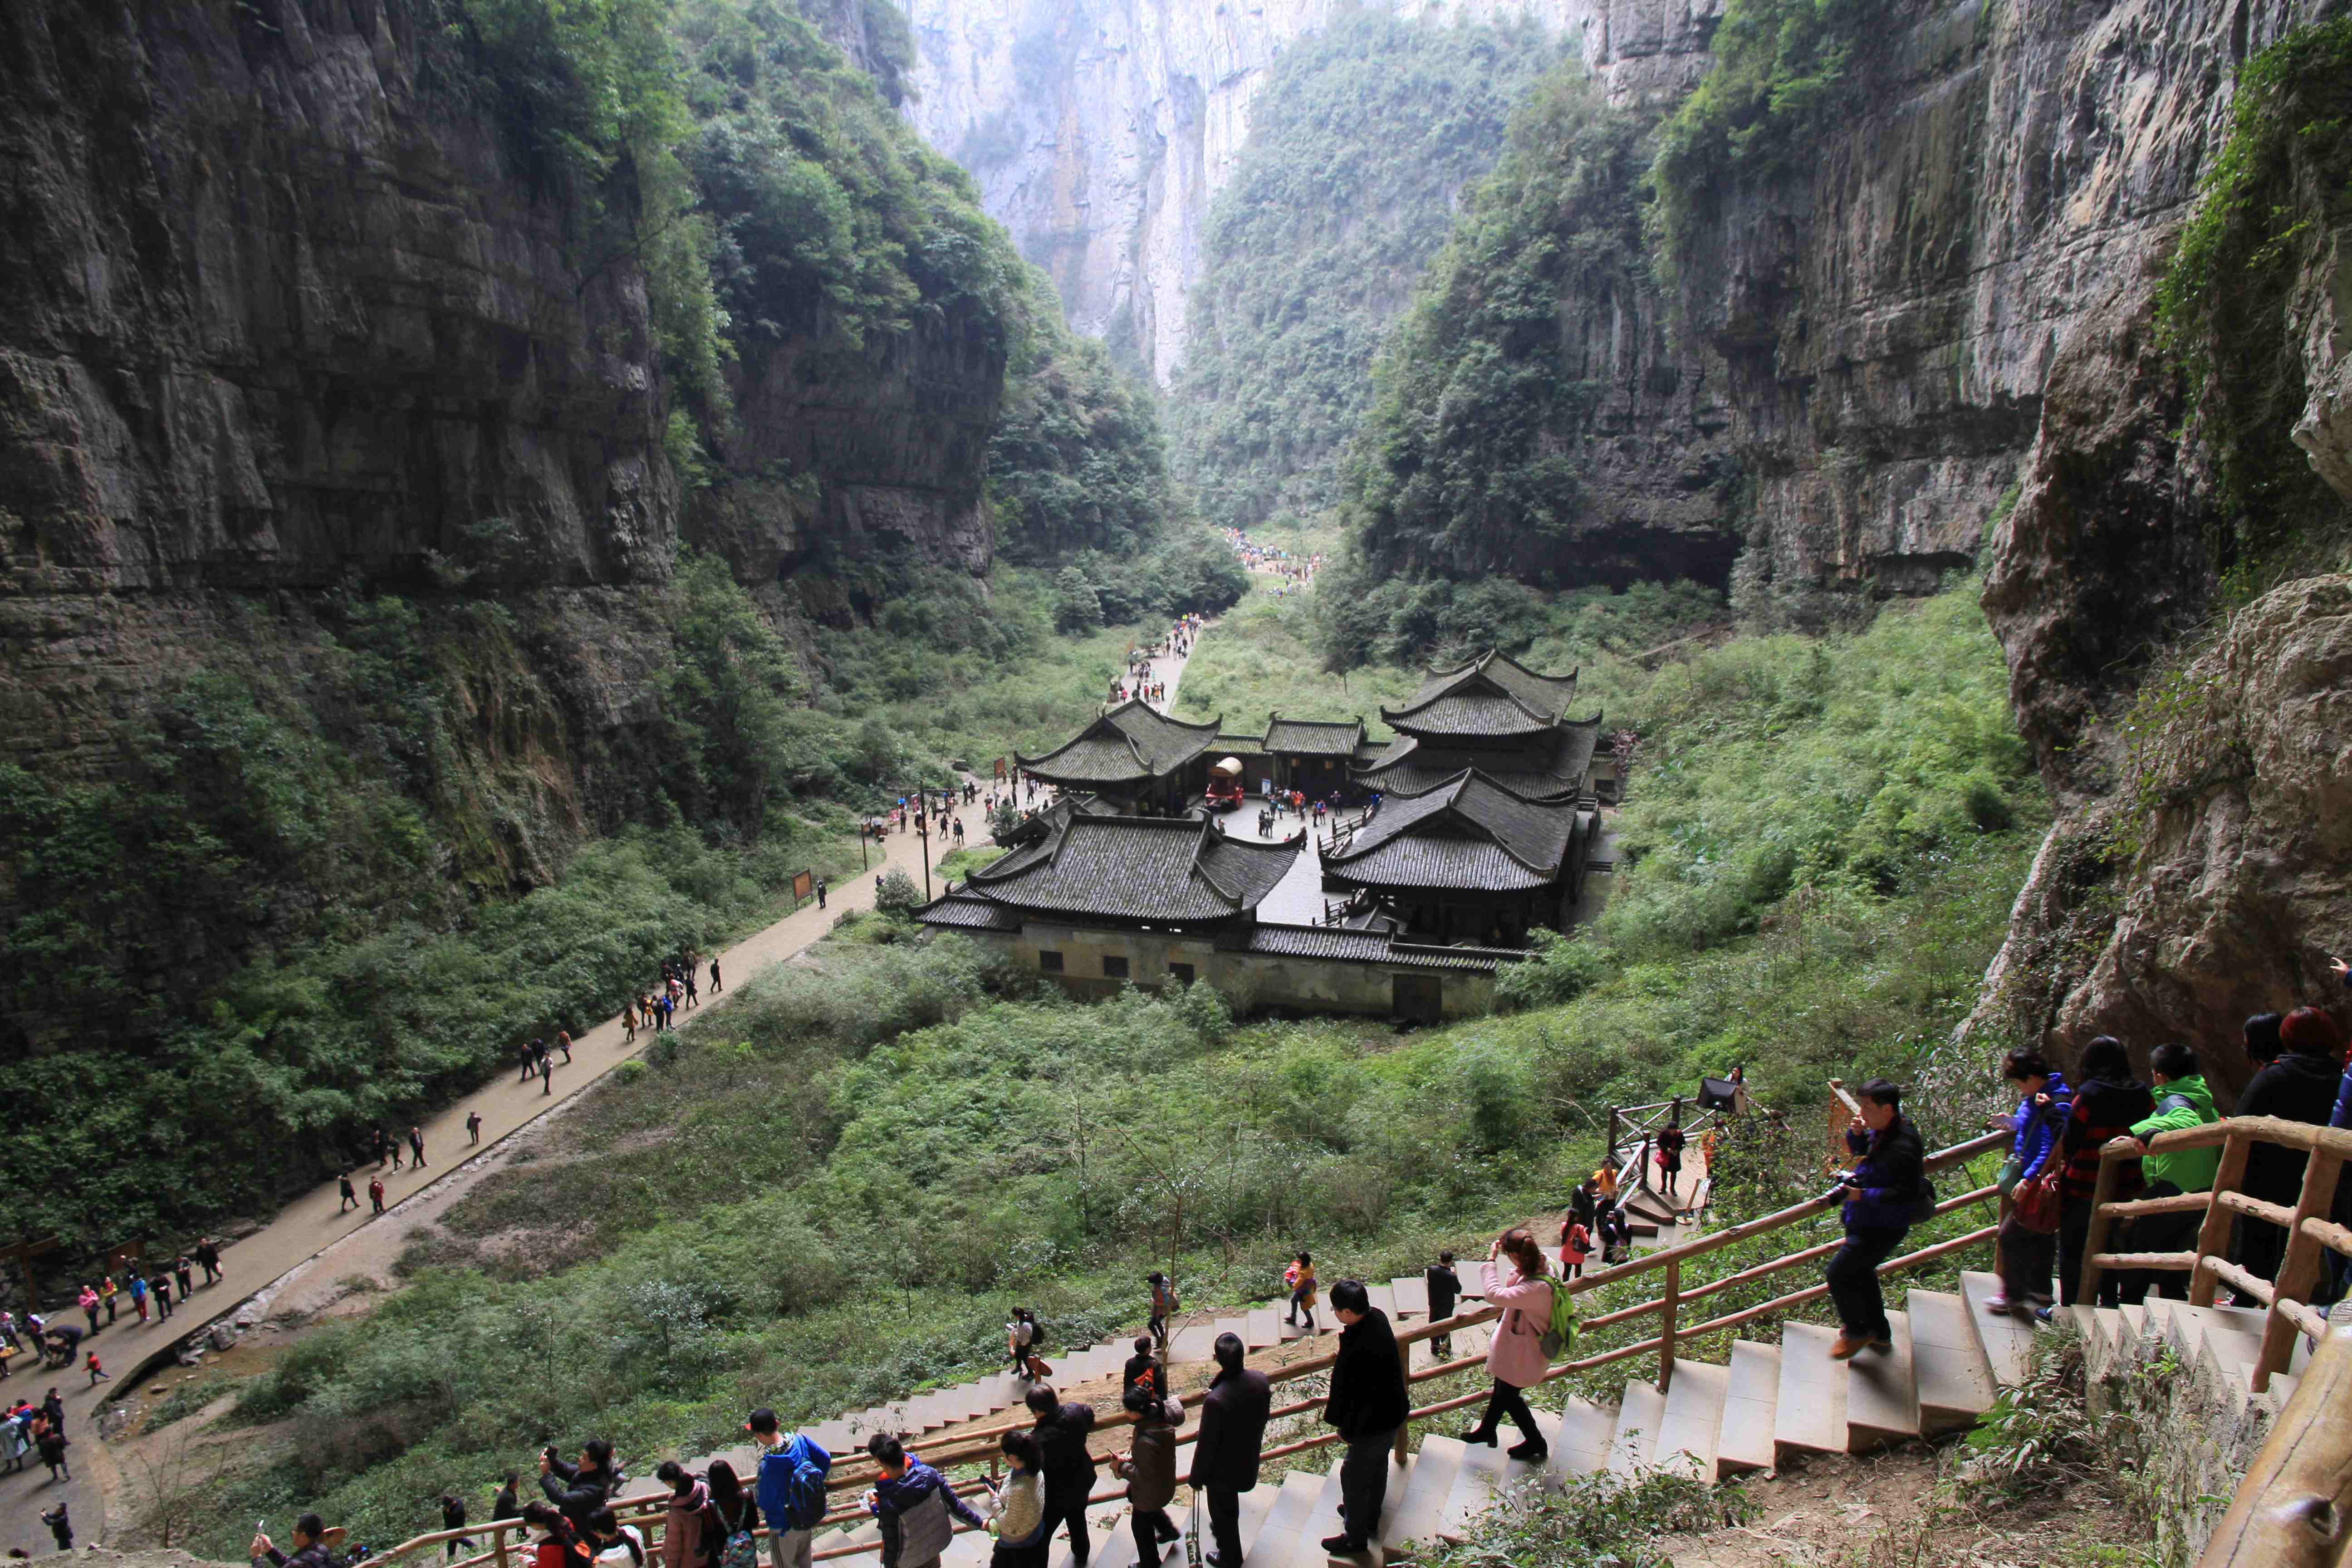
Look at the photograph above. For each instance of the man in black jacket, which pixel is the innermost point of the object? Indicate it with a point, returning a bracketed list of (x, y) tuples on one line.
[(1368, 1403), (2297, 1082), (1225, 1455), (1444, 1290), (579, 1489), (1061, 1432)]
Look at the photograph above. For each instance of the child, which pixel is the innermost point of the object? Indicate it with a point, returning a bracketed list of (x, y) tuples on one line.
[(97, 1372)]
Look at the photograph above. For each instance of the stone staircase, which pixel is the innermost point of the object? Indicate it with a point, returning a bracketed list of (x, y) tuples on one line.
[(1769, 1402), (2217, 1343)]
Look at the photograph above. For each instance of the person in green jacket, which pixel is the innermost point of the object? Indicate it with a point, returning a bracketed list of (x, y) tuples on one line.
[(2181, 1101)]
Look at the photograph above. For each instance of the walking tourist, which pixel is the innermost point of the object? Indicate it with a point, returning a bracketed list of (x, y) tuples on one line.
[(1366, 1406), (1148, 1468), (681, 1541), (1225, 1455), (1445, 1290), (736, 1517), (790, 1481), (375, 1197), (1575, 1247), (2298, 1084), (1020, 1339), (350, 1199), (2024, 1256), (2182, 1101), (916, 1510), (1300, 1277), (473, 1127), (453, 1517), (1061, 1431), (60, 1526), (2108, 1101), (1881, 1194), (417, 1143), (1142, 1369), (1516, 1281), (1016, 1506), (1670, 1154), (1163, 1305)]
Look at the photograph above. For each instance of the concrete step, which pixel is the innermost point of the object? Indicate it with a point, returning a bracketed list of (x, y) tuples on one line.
[(2007, 1341), (1810, 1413), (1265, 1328), (1423, 1504), (1278, 1537), (1693, 1421), (1580, 1439), (1480, 1472), (1955, 1381), (1192, 1344), (1750, 1397), (1411, 1294), (1323, 1519), (1882, 1401), (1633, 1445), (1384, 1298), (1250, 1517)]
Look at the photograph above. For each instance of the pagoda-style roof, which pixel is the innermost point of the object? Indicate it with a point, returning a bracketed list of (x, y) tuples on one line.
[(1313, 737), (1490, 698), (1410, 764), (1038, 824), (1126, 868), (1469, 833), (1134, 743)]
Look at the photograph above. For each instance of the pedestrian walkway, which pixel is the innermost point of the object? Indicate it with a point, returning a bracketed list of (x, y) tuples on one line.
[(310, 1224)]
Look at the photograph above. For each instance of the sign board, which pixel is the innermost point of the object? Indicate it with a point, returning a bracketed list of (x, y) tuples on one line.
[(1000, 770), (803, 885)]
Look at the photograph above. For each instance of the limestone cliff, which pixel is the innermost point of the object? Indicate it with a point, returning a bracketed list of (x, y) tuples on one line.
[(1099, 131)]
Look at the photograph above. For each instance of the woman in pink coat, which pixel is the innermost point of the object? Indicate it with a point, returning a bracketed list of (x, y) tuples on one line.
[(1515, 1281)]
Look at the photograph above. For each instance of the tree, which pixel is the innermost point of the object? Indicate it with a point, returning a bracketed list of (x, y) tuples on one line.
[(1077, 606), (899, 895)]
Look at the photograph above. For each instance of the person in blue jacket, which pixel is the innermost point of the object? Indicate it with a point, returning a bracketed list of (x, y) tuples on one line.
[(792, 1511), (1882, 1194), (2045, 1102)]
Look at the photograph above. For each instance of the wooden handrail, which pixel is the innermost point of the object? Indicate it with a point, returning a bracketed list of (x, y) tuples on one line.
[(982, 1444), (2293, 1509)]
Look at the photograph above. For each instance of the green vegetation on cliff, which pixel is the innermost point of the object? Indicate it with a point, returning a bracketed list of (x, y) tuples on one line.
[(1360, 142), (1469, 460), (2274, 202)]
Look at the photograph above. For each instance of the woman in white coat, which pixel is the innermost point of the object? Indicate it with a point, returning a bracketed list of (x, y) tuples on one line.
[(1516, 1281)]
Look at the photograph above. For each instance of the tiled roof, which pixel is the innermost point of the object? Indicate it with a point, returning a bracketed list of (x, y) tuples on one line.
[(1314, 737), (1469, 833), (1240, 746), (1367, 947), (1490, 696), (1043, 824), (1410, 765), (1132, 743), (1137, 867), (962, 911)]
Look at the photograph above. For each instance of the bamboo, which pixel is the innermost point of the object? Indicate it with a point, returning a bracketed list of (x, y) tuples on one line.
[(2293, 1508), (2101, 1222), (2213, 1235), (2298, 1274)]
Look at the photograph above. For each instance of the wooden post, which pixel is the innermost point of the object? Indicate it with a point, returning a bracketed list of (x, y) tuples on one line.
[(2086, 1290), (2213, 1237), (2299, 1271), (1613, 1117), (497, 1527), (2291, 1511), (1405, 1428), (1666, 1325)]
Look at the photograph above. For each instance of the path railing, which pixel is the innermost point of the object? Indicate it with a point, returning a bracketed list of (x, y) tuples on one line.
[(2309, 1232), (2293, 1509), (980, 1445)]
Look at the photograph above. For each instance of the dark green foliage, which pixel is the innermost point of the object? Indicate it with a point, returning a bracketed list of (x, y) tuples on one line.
[(727, 696), (1780, 77), (2278, 197), (1077, 606), (1361, 617), (1076, 462), (1470, 459), (1360, 142)]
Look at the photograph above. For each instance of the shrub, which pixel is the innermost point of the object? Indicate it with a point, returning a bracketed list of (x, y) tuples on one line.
[(897, 895)]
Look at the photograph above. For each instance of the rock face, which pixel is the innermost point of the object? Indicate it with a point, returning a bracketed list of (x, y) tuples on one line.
[(1098, 130), (275, 313)]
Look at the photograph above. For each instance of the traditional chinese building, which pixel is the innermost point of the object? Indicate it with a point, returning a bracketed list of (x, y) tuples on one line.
[(1468, 860), (1312, 756), (1496, 716), (1135, 758)]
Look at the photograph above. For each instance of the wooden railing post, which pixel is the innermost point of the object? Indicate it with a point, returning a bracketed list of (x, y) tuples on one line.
[(2213, 1235), (1614, 1117), (499, 1541), (1405, 1428), (2094, 1241), (1666, 1325), (2299, 1272), (2290, 1509)]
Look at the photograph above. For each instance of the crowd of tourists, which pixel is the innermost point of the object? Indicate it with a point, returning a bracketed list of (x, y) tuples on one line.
[(146, 1291), (1296, 571), (1142, 679)]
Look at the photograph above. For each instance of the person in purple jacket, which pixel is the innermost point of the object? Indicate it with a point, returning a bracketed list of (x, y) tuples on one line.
[(1882, 1194)]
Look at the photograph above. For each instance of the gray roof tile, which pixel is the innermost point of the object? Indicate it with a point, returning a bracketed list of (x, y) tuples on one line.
[(1467, 832), (1132, 743), (1137, 867), (1314, 737), (1490, 696)]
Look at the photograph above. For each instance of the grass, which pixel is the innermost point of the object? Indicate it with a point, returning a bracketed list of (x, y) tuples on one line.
[(1261, 657)]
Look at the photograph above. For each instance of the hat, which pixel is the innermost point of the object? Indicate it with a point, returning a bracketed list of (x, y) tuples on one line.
[(763, 1420)]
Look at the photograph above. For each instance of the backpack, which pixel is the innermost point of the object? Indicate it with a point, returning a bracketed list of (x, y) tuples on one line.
[(804, 1495), (1923, 1208), (741, 1548), (1559, 1334)]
